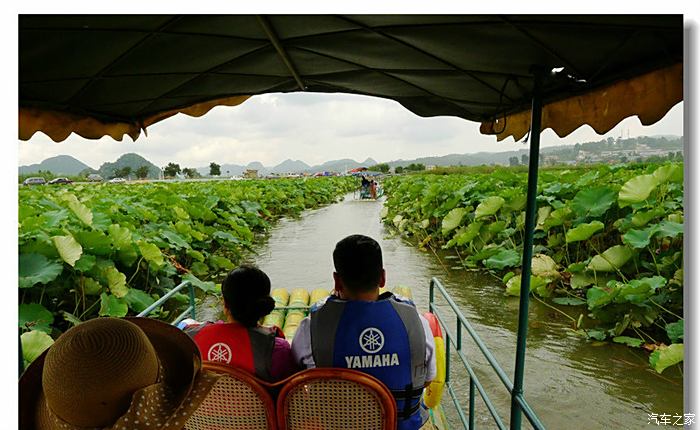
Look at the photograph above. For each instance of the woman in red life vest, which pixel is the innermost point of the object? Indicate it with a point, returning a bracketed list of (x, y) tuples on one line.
[(240, 341)]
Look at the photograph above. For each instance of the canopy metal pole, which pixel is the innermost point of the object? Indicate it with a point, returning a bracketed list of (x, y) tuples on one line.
[(530, 218)]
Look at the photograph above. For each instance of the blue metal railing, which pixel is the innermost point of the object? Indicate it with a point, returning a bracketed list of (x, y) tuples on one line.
[(169, 294), (455, 339)]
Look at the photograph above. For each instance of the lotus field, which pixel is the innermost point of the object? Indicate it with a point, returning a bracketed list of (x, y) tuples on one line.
[(97, 250), (609, 238)]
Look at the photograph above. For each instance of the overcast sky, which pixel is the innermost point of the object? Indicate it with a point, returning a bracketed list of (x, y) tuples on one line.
[(313, 128)]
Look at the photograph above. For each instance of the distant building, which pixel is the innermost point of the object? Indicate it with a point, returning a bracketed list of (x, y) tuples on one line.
[(250, 173), (430, 167)]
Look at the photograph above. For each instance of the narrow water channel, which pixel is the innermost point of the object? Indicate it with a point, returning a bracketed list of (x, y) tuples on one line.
[(569, 382)]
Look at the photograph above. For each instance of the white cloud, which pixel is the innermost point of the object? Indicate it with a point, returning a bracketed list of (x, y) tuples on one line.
[(313, 128)]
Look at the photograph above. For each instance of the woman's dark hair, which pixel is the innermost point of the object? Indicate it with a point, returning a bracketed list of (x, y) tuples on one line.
[(246, 292)]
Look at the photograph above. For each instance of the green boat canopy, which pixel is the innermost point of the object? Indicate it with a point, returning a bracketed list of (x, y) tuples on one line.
[(113, 75)]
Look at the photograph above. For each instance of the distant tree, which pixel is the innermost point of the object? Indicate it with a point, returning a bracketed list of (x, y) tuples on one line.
[(513, 161), (398, 169), (415, 167), (171, 169), (383, 167), (122, 172), (214, 169), (142, 172), (524, 160), (191, 172)]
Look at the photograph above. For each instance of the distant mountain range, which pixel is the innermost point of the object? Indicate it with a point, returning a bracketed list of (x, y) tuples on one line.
[(290, 166), (631, 148), (59, 165)]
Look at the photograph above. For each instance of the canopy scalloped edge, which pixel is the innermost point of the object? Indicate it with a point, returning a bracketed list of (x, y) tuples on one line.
[(59, 125), (649, 96)]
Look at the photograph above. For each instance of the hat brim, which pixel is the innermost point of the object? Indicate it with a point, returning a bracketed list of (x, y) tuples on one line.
[(177, 353)]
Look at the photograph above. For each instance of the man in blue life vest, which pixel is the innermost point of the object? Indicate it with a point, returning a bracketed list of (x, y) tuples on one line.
[(382, 335)]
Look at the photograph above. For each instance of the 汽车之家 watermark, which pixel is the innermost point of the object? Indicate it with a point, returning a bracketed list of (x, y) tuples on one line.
[(671, 420)]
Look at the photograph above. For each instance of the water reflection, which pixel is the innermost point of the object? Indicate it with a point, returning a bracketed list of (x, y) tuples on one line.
[(569, 382)]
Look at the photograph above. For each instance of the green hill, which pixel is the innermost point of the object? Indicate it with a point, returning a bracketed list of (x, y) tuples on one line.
[(134, 161), (59, 165)]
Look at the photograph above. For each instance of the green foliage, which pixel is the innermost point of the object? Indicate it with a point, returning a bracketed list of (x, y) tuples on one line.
[(607, 237), (663, 357), (34, 343), (214, 169), (171, 170), (112, 251)]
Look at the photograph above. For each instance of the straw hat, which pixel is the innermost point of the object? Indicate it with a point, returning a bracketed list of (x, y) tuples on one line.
[(111, 373)]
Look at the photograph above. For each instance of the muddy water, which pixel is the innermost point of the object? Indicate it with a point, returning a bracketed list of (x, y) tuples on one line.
[(570, 383)]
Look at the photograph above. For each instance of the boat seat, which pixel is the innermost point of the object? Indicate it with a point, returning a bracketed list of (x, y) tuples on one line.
[(238, 401), (335, 399)]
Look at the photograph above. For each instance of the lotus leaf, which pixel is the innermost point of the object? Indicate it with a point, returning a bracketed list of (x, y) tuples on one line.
[(91, 287), (489, 206), (397, 219), (220, 262), (669, 172), (668, 229), (558, 217), (116, 282), (581, 280), (629, 341), (85, 263), (175, 239), (542, 215), (675, 217), (543, 266), (384, 212), (151, 253), (425, 223), (34, 343), (583, 231), (513, 285), (633, 293), (507, 277), (496, 227), (138, 300), (638, 238), (83, 213), (554, 240), (636, 190), (111, 306), (674, 330), (35, 269), (202, 285), (642, 218), (34, 316), (53, 218), (576, 267), (611, 259), (593, 202), (195, 255), (199, 269), (94, 241), (504, 258), (452, 219), (597, 297), (180, 213), (663, 357), (587, 178), (599, 335), (68, 248), (120, 236), (516, 203), (569, 301)]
